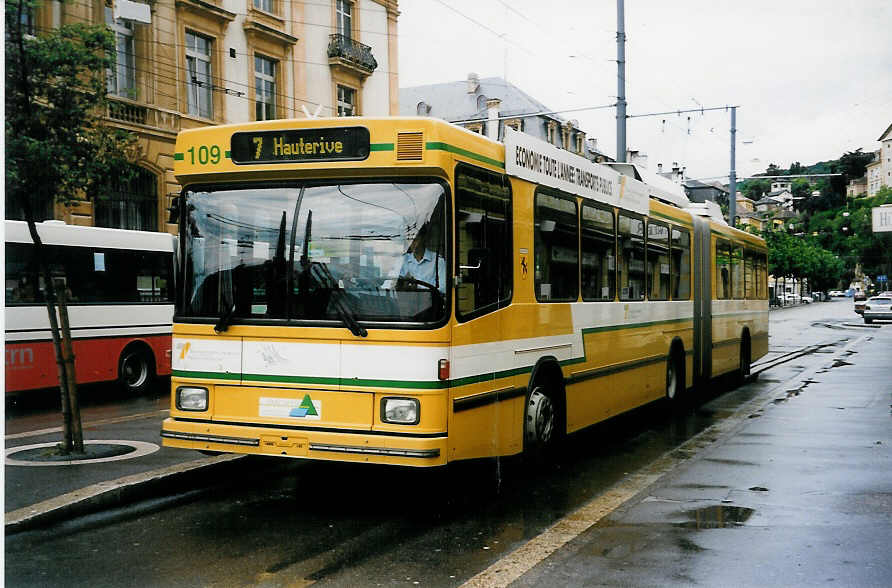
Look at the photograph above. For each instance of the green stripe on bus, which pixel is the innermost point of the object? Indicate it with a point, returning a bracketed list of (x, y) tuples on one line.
[(437, 145), (179, 156), (634, 326), (206, 375), (381, 147)]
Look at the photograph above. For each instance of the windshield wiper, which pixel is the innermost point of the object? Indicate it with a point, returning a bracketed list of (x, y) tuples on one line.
[(319, 272), (228, 301)]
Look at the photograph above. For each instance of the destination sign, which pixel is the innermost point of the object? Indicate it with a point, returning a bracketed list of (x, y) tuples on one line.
[(301, 146), (537, 161)]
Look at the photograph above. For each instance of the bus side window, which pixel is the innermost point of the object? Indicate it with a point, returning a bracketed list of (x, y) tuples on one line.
[(598, 253), (749, 273), (555, 248), (737, 272), (722, 269), (680, 262), (657, 261), (631, 257), (21, 274), (483, 241)]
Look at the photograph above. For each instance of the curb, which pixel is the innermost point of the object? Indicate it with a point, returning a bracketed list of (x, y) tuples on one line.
[(114, 492)]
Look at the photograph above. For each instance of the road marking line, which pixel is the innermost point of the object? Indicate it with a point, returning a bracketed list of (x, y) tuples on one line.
[(124, 419)]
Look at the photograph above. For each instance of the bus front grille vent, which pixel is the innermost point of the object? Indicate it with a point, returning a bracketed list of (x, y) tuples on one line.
[(409, 146)]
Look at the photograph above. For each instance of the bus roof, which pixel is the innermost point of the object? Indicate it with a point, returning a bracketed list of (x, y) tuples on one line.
[(58, 233)]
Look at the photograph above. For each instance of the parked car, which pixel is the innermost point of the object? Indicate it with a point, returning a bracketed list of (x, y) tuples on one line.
[(789, 298), (807, 299), (860, 299), (877, 307), (837, 293)]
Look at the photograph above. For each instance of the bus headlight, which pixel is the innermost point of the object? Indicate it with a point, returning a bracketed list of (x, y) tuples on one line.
[(400, 411), (194, 399)]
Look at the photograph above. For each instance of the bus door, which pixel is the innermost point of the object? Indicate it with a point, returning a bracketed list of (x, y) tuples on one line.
[(481, 420), (702, 302)]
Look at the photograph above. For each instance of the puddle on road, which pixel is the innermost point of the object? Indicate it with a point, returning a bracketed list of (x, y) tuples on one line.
[(716, 517)]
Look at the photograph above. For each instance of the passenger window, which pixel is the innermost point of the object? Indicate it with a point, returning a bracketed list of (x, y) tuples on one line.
[(483, 241), (737, 272), (556, 248), (722, 269), (598, 254), (749, 274), (657, 261), (631, 257), (680, 269)]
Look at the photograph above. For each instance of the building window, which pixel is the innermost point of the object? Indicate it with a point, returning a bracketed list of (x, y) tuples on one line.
[(199, 87), (130, 205), (346, 101), (27, 19), (121, 77), (345, 18), (264, 88), (264, 5)]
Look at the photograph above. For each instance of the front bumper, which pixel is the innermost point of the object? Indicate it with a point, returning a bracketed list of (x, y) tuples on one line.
[(877, 314), (308, 443)]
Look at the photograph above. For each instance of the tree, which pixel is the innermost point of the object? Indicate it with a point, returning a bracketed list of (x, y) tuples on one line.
[(57, 147), (854, 163), (755, 189)]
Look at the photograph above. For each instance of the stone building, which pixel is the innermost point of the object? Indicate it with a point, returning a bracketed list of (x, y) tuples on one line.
[(182, 64)]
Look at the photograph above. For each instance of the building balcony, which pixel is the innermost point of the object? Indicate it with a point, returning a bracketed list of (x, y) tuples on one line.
[(133, 115), (350, 55)]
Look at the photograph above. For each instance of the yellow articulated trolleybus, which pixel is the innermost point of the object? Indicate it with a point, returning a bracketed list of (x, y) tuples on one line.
[(403, 291)]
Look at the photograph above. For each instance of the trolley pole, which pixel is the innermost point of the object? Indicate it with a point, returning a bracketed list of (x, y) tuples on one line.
[(620, 82), (732, 176)]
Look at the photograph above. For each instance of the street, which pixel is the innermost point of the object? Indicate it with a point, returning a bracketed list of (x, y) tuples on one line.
[(278, 523)]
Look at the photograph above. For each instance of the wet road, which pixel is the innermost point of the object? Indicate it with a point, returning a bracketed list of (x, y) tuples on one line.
[(293, 523)]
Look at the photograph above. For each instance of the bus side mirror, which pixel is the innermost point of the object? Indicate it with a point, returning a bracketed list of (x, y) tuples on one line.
[(174, 210)]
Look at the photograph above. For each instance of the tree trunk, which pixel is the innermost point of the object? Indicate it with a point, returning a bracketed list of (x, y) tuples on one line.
[(67, 444), (77, 432)]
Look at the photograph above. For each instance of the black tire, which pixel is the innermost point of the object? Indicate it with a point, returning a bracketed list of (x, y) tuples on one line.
[(136, 370), (675, 377), (868, 321), (540, 420), (745, 359)]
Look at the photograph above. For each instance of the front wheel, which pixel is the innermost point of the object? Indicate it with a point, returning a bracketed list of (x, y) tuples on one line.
[(539, 421), (135, 371)]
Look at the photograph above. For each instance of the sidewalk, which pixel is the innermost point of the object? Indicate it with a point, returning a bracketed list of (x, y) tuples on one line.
[(39, 493), (798, 494)]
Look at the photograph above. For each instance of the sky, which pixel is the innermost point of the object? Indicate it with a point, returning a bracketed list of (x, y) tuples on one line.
[(812, 79)]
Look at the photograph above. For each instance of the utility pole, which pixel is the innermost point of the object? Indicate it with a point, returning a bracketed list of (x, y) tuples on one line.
[(620, 82), (732, 176)]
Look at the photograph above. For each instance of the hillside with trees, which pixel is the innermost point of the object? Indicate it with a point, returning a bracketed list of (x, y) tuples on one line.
[(831, 234)]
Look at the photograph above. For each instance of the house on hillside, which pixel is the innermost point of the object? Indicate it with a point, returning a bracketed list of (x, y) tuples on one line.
[(698, 191)]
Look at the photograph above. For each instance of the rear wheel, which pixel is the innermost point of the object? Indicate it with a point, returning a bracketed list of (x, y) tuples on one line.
[(135, 370), (674, 377), (745, 361)]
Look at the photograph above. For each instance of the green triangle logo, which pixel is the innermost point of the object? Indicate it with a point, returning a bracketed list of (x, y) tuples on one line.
[(307, 403)]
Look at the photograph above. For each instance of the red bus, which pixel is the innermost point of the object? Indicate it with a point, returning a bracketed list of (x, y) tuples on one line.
[(120, 289)]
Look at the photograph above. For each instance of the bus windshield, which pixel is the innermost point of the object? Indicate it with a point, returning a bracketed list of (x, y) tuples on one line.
[(345, 252)]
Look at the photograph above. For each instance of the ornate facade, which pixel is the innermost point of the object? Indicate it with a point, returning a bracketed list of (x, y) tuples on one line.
[(183, 64)]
